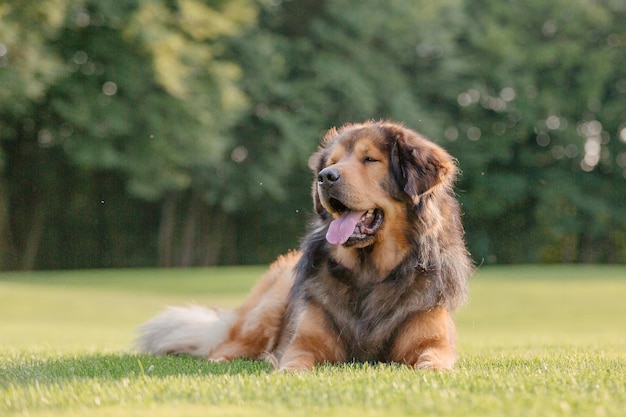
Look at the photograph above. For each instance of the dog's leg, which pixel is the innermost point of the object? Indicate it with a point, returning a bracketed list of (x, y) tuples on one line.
[(426, 341), (257, 330), (314, 341), (260, 319)]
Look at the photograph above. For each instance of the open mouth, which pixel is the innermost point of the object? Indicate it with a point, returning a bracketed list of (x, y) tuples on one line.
[(353, 226)]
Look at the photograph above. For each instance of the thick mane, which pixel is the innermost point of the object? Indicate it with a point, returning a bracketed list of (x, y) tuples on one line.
[(427, 174), (437, 239), (438, 257)]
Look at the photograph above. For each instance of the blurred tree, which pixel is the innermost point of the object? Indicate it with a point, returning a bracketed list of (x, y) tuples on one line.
[(537, 130), (136, 98), (137, 132), (27, 68)]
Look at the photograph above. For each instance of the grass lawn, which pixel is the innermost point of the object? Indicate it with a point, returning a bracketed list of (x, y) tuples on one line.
[(534, 341)]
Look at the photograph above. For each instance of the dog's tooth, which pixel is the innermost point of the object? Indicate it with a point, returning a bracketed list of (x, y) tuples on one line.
[(370, 211)]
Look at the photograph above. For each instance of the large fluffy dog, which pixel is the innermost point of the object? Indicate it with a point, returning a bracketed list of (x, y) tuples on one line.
[(377, 277)]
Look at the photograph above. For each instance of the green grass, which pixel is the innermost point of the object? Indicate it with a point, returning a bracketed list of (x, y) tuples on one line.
[(534, 341)]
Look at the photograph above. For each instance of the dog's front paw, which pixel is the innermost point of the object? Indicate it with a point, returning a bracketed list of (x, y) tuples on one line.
[(435, 359), (302, 363)]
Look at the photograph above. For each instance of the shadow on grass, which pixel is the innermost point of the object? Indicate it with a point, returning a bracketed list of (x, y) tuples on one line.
[(28, 370)]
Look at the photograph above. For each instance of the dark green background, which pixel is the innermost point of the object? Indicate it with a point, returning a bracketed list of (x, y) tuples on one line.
[(176, 132)]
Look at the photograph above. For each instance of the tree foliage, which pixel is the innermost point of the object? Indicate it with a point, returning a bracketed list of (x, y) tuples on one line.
[(543, 120), (176, 132)]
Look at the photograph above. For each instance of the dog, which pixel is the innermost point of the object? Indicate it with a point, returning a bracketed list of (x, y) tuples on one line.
[(377, 278)]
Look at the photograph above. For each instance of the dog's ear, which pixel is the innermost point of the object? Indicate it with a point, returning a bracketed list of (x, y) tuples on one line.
[(316, 164), (419, 166)]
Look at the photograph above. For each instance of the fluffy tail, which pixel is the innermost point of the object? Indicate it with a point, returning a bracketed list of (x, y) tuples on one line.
[(191, 330)]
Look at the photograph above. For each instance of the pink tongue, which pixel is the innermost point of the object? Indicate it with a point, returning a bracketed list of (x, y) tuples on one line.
[(342, 228)]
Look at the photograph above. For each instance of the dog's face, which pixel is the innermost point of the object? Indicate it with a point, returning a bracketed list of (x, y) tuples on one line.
[(370, 177)]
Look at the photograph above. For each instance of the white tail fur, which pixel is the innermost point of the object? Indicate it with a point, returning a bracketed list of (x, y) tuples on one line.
[(191, 330)]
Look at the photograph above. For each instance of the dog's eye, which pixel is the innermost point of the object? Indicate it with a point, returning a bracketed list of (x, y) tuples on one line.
[(369, 159)]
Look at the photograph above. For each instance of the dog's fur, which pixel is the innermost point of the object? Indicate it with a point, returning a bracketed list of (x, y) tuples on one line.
[(385, 294)]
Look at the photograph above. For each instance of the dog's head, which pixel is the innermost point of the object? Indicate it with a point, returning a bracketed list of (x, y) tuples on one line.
[(372, 174)]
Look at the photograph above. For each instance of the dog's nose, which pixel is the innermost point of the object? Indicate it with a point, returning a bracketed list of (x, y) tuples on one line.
[(327, 177)]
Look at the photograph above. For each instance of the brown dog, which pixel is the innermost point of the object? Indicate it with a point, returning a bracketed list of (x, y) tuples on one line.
[(377, 277)]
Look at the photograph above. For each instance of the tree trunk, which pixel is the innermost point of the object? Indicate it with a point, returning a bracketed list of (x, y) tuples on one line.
[(199, 238), (167, 230), (189, 244), (34, 236), (7, 249), (219, 242)]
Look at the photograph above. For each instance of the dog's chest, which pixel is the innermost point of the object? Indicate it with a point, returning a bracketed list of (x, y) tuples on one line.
[(366, 309)]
